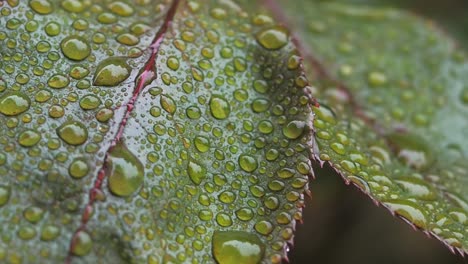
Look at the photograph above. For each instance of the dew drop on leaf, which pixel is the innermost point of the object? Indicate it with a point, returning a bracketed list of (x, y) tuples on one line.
[(42, 7), (4, 195), (75, 48), (78, 169), (233, 247), (294, 129), (73, 133), (273, 38), (111, 72), (81, 244), (248, 163), (49, 232), (124, 171), (29, 138), (196, 172), (219, 107), (14, 103)]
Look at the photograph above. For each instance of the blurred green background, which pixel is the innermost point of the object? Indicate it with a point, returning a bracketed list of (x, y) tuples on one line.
[(342, 225)]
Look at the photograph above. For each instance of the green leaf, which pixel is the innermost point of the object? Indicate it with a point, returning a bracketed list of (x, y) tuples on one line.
[(152, 131), (394, 102)]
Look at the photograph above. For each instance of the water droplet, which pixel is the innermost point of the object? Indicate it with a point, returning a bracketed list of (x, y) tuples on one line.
[(29, 138), (124, 170), (75, 48), (202, 143), (49, 232), (78, 169), (196, 172), (121, 9), (104, 115), (294, 129), (376, 79), (111, 72), (33, 214), (42, 7), (74, 6), (245, 214), (81, 244), (168, 104), (26, 232), (264, 227), (173, 63), (219, 107), (52, 29), (464, 96), (14, 104), (248, 163), (90, 102), (223, 219), (233, 247), (4, 195), (58, 81), (73, 133), (408, 210), (273, 38)]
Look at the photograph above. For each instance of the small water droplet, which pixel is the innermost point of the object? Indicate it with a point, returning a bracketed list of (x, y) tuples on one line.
[(111, 72), (377, 79), (273, 38), (417, 188), (49, 232), (124, 170), (78, 169), (233, 247), (294, 129), (29, 138), (168, 104), (196, 172)]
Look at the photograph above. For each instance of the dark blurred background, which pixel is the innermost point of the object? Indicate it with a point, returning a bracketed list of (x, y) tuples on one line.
[(342, 225)]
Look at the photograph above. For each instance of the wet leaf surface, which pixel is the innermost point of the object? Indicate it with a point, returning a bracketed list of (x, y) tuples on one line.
[(149, 132)]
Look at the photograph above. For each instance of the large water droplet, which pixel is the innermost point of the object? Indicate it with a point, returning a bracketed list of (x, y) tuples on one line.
[(14, 104), (233, 247), (73, 133), (111, 72), (75, 48), (273, 38), (124, 171)]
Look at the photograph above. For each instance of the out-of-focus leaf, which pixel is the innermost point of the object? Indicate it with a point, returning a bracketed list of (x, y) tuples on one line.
[(394, 106), (152, 131)]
